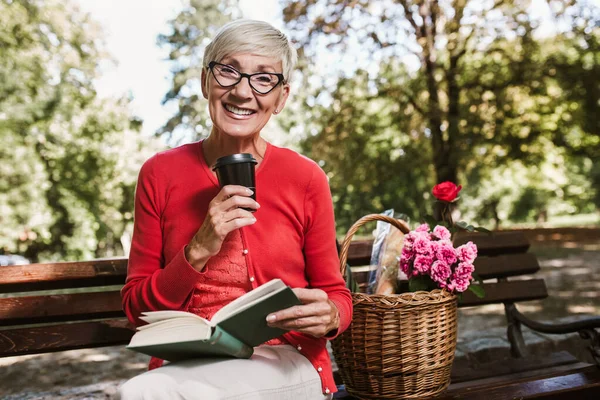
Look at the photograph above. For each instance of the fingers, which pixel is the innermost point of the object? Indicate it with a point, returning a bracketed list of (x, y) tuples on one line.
[(223, 222), (316, 316), (225, 213), (307, 296), (314, 319), (231, 197)]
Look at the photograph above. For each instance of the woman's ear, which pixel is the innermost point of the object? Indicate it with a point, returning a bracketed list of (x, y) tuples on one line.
[(203, 82), (282, 99)]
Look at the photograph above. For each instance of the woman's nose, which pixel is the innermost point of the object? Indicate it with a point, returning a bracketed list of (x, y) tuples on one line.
[(243, 88)]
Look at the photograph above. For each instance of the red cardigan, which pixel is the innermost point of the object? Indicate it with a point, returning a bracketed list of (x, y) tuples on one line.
[(293, 238)]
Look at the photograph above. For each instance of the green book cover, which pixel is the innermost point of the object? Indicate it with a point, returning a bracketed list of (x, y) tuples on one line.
[(250, 325), (218, 345), (232, 332)]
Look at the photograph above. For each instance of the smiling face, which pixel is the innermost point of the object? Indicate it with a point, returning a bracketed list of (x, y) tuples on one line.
[(238, 111)]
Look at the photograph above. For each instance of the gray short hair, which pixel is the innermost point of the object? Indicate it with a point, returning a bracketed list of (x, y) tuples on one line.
[(250, 36)]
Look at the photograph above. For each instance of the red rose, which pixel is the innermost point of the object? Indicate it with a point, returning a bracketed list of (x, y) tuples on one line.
[(446, 191)]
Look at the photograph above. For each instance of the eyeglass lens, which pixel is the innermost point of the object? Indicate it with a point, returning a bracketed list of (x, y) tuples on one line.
[(229, 76)]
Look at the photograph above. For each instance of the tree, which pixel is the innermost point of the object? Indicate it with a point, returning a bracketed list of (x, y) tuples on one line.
[(441, 35), (573, 62), (190, 32), (472, 80), (70, 159)]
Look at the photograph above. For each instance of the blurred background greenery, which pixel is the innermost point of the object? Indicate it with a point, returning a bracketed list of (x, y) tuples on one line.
[(391, 97)]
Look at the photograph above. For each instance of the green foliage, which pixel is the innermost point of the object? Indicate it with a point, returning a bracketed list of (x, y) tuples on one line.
[(483, 105), (190, 32), (364, 154), (69, 160), (462, 91)]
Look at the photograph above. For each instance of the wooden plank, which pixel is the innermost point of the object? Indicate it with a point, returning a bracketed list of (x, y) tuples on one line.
[(462, 372), (496, 292), (496, 243), (523, 376), (63, 307), (487, 267), (359, 252), (53, 338), (511, 291), (23, 278), (581, 385), (507, 265), (501, 292)]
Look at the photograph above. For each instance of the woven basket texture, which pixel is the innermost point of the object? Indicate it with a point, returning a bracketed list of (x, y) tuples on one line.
[(398, 346)]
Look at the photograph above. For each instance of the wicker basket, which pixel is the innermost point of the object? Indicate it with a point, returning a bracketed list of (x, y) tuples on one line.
[(399, 346)]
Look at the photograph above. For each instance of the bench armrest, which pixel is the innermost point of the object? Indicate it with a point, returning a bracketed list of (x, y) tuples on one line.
[(588, 329)]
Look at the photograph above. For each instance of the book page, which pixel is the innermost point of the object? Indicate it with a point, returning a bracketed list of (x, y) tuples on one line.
[(245, 301), (171, 330), (155, 316)]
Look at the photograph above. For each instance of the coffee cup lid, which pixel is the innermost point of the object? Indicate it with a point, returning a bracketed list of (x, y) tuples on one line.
[(235, 159)]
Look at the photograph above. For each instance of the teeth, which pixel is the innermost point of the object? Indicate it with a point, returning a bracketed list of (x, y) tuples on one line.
[(237, 111)]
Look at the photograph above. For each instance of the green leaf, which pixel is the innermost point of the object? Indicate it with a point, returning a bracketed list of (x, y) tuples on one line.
[(477, 278), (470, 228), (429, 220), (418, 283), (477, 290), (480, 229), (462, 224)]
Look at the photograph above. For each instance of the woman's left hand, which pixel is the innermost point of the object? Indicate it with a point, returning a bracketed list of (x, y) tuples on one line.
[(317, 315)]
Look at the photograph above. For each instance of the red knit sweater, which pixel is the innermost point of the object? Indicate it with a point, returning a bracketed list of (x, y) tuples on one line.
[(293, 238)]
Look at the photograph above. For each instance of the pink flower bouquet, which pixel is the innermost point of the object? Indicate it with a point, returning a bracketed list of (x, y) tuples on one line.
[(430, 261)]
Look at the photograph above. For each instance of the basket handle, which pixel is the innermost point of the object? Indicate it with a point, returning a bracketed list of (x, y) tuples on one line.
[(401, 225)]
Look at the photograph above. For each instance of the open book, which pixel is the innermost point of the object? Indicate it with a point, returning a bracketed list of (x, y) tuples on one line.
[(232, 332)]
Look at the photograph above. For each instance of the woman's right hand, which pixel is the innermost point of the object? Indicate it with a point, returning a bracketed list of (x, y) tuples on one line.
[(225, 214)]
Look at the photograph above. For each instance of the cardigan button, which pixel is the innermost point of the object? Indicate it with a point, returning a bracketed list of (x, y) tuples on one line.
[(327, 390), (245, 251), (251, 279), (319, 369), (299, 348)]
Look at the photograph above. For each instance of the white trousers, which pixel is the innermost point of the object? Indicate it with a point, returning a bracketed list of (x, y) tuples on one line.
[(272, 373)]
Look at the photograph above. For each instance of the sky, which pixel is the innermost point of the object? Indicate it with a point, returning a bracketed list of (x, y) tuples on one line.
[(131, 28)]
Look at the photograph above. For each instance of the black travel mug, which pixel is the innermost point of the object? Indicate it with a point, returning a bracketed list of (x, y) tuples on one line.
[(237, 169)]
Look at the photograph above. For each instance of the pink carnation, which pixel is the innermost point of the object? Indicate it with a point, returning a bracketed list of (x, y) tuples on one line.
[(460, 284), (467, 252), (407, 253), (404, 265), (422, 228), (422, 264), (440, 272), (422, 245), (441, 232), (444, 251), (464, 271)]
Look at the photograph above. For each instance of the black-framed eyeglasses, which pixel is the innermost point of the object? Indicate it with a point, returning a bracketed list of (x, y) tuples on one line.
[(260, 82)]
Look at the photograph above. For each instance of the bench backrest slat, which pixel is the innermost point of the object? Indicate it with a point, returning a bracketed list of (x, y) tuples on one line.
[(510, 292), (24, 278), (498, 243), (60, 307), (64, 337), (486, 267)]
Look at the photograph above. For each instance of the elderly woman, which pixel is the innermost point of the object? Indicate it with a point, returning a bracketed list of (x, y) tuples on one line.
[(196, 247)]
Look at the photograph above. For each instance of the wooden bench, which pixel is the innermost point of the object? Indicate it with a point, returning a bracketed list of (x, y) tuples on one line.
[(39, 313)]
